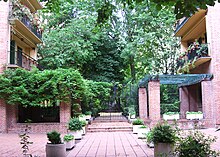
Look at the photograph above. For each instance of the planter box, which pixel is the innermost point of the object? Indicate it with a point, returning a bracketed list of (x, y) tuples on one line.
[(83, 130), (194, 116), (88, 117), (55, 150), (150, 144), (163, 149), (171, 117), (77, 134), (70, 144), (135, 128), (142, 132)]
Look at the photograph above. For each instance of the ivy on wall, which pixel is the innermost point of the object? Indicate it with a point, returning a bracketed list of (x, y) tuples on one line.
[(40, 88)]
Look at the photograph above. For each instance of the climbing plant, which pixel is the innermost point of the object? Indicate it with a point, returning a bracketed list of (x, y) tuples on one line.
[(40, 88)]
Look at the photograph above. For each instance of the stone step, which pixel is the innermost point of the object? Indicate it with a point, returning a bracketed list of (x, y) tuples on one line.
[(110, 129)]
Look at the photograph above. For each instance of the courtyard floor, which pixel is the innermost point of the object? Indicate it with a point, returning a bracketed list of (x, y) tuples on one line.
[(98, 144)]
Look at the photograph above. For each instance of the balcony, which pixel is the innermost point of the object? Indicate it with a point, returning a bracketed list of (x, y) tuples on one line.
[(22, 60), (195, 56), (26, 25)]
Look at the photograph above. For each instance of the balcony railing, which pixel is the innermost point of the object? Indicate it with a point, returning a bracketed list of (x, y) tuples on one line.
[(193, 54), (23, 60), (26, 21)]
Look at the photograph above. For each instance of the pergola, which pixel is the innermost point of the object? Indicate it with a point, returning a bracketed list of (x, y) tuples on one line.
[(149, 93)]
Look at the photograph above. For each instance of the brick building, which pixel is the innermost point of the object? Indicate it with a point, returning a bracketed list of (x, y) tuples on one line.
[(200, 47), (20, 32)]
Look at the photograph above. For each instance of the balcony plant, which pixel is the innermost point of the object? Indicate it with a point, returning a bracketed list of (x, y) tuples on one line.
[(142, 131), (75, 127), (55, 148), (69, 141), (171, 116), (164, 137), (136, 124), (194, 115)]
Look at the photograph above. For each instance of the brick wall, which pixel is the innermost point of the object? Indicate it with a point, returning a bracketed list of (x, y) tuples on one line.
[(14, 127), (213, 37), (4, 34), (142, 93), (154, 101), (3, 118)]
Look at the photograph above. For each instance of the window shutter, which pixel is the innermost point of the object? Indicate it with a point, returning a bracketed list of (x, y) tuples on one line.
[(12, 52)]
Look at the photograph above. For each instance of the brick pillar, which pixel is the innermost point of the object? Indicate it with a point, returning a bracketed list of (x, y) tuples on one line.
[(3, 117), (4, 34), (208, 107), (65, 112), (142, 94), (184, 101), (154, 101)]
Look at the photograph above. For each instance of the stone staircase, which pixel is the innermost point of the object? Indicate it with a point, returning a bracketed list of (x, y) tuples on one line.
[(107, 123)]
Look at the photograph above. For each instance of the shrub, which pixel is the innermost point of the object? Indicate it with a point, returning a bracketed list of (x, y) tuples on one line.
[(74, 124), (83, 122), (88, 113), (138, 122), (68, 137), (54, 137), (164, 133), (196, 144)]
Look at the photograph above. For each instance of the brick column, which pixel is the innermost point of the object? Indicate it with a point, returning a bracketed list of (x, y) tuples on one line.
[(154, 101), (3, 117), (4, 34), (65, 112), (208, 107), (142, 95), (184, 101)]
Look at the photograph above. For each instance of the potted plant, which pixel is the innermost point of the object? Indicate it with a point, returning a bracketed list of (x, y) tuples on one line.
[(55, 148), (69, 141), (82, 117), (171, 116), (142, 131), (88, 115), (149, 138), (83, 122), (131, 112), (164, 137), (136, 124), (75, 127), (194, 115)]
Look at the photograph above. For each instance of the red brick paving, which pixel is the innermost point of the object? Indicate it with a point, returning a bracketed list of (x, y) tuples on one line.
[(99, 144)]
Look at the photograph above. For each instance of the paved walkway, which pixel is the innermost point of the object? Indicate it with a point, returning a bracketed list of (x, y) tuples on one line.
[(99, 144)]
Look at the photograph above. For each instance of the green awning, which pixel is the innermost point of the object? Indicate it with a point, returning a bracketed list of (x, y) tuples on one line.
[(180, 80)]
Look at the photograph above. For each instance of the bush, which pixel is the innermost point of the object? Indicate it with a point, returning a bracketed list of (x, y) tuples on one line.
[(164, 133), (196, 144), (68, 137), (138, 122), (83, 122), (74, 124), (88, 113), (54, 137)]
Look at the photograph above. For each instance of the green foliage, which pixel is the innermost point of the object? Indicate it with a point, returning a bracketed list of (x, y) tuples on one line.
[(54, 137), (68, 137), (74, 124), (143, 127), (138, 122), (164, 133), (171, 113), (196, 144), (149, 136), (199, 112), (88, 113), (40, 88), (83, 122)]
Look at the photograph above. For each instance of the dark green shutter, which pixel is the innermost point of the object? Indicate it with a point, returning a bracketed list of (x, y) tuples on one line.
[(12, 52)]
